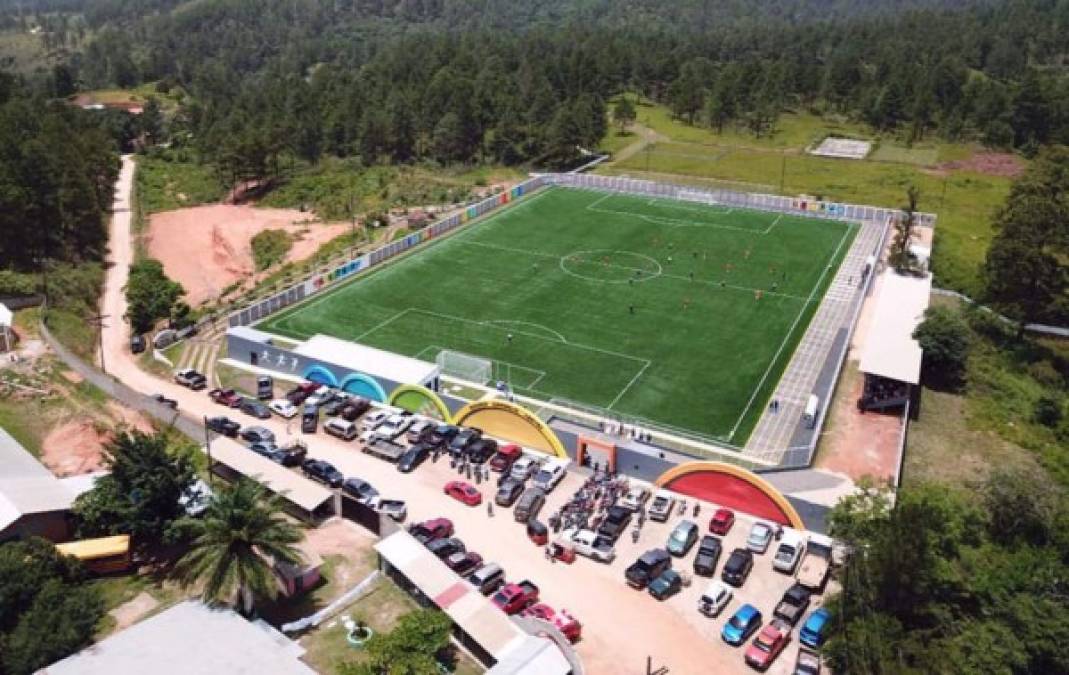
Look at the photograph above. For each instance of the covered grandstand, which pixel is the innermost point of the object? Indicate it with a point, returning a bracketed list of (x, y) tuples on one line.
[(891, 358)]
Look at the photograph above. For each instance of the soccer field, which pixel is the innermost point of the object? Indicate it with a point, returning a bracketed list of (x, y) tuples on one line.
[(678, 313)]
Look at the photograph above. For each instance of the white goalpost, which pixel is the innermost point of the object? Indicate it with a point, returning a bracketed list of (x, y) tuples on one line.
[(465, 366)]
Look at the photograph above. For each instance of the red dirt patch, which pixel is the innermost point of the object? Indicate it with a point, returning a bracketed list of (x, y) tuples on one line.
[(1001, 164), (74, 448), (207, 248)]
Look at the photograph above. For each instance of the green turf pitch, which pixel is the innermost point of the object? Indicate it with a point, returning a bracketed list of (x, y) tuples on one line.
[(679, 313)]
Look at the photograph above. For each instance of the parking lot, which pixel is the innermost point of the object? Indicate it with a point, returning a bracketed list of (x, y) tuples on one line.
[(621, 625)]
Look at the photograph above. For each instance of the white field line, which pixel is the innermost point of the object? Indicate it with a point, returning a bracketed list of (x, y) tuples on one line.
[(714, 284), (787, 337), (676, 222), (529, 323), (629, 384)]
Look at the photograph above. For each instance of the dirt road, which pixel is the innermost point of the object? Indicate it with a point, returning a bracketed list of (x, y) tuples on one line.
[(622, 626)]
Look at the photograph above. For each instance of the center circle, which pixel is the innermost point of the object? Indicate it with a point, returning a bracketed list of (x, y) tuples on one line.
[(610, 267)]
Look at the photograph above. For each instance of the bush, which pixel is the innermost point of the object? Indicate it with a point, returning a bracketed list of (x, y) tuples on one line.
[(945, 338), (1048, 411), (150, 295), (270, 248), (14, 283)]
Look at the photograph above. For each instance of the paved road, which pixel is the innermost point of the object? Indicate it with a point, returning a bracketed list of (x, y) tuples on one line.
[(622, 626)]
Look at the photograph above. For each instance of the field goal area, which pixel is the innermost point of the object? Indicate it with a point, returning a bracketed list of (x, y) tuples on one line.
[(482, 371)]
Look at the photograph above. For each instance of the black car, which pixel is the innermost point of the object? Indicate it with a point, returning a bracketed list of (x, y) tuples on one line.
[(708, 555), (224, 426), (265, 388), (482, 450), (257, 435), (443, 548), (255, 409), (138, 344), (333, 409), (198, 382), (413, 457), (291, 456), (617, 518), (463, 439), (163, 400), (666, 585), (509, 492), (323, 472), (359, 489), (354, 408), (648, 567), (443, 434), (737, 567), (310, 420)]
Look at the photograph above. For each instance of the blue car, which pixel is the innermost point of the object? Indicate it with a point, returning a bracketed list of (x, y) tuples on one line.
[(741, 625), (813, 632)]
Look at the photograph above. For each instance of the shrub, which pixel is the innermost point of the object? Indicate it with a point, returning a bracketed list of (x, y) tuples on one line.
[(945, 338), (1048, 411), (270, 248)]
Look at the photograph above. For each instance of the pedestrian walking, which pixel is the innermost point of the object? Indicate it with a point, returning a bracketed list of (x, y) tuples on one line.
[(490, 508), (697, 508)]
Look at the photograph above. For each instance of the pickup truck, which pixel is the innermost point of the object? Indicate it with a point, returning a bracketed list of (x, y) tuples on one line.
[(648, 567), (227, 397), (816, 564), (514, 598), (793, 604), (589, 544), (789, 552), (384, 449), (662, 505)]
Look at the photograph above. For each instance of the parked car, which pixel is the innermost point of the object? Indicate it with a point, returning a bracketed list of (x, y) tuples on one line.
[(333, 408), (163, 400), (589, 544), (737, 567), (188, 377), (636, 497), (562, 620), (488, 578), (394, 508), (263, 449), (508, 492), (302, 391), (465, 437), (530, 503), (374, 419), (463, 492), (514, 598), (506, 455), (523, 467), (443, 548), (309, 420), (742, 624), (715, 598), (760, 537), (394, 426), (138, 344), (360, 490), (793, 604), (617, 518), (682, 538), (413, 457), (661, 508), (722, 521), (768, 645), (789, 552), (807, 663), (550, 475), (341, 428), (227, 397), (265, 388), (648, 567), (322, 471), (815, 628), (224, 426), (291, 455), (666, 585), (708, 556), (354, 408), (283, 408), (463, 563), (429, 530), (257, 435), (255, 409), (816, 565), (419, 431), (443, 434), (482, 450)]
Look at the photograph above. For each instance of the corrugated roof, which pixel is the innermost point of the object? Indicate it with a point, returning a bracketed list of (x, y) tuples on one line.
[(368, 360), (186, 639), (26, 486), (275, 477), (890, 350)]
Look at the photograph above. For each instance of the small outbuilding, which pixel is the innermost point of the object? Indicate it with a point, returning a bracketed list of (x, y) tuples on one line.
[(7, 332)]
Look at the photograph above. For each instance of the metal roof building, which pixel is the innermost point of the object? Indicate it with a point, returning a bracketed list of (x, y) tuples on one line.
[(189, 638), (33, 502), (890, 350)]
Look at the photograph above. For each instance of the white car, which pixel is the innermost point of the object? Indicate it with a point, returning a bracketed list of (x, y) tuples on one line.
[(550, 475), (373, 419), (523, 467), (394, 426), (714, 599), (760, 537), (635, 497), (789, 552), (283, 408)]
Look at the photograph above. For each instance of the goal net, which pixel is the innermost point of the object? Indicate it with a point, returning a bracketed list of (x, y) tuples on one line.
[(465, 366)]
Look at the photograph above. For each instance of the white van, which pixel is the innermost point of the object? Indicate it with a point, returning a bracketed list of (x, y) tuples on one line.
[(551, 473), (812, 406), (343, 429), (789, 552)]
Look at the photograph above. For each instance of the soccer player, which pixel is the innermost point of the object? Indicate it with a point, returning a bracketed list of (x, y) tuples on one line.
[(509, 338)]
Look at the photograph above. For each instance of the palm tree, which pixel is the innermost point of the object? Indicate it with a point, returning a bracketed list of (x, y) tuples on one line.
[(235, 543)]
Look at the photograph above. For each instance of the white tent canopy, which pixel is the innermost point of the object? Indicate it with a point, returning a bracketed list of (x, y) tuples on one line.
[(890, 350)]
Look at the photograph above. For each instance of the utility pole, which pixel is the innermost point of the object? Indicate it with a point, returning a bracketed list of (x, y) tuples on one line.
[(98, 321), (208, 449)]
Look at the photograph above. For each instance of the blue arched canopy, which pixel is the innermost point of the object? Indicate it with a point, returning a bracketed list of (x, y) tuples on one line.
[(363, 385), (321, 375)]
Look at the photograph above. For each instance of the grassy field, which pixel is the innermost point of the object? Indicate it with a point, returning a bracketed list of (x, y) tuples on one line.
[(615, 301), (167, 181)]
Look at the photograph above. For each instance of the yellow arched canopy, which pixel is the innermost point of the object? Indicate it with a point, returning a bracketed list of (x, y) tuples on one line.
[(511, 422), (420, 400)]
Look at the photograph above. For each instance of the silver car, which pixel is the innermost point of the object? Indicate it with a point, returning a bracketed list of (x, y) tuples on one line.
[(760, 537)]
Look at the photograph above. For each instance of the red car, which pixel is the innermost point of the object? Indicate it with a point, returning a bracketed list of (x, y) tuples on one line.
[(464, 563), (227, 397), (428, 531), (464, 492), (722, 521), (768, 644), (514, 598), (506, 455), (563, 621)]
